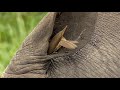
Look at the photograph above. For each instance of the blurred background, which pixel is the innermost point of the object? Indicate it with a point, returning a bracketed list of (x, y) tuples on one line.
[(14, 27)]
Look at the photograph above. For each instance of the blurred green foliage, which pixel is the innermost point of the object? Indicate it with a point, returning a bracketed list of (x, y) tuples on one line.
[(14, 27)]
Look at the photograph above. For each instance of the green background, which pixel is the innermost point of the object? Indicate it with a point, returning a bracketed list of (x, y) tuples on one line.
[(14, 27)]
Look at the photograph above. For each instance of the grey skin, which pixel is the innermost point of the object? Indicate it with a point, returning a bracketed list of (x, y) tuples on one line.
[(97, 54)]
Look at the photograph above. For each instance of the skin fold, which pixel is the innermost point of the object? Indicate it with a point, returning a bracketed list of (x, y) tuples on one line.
[(97, 54)]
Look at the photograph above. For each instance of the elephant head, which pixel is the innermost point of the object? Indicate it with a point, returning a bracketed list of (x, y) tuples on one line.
[(96, 56)]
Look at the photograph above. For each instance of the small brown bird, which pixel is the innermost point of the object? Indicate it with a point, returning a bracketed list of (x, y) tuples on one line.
[(58, 40)]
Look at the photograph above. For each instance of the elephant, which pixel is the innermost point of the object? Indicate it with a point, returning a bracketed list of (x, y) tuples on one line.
[(97, 54)]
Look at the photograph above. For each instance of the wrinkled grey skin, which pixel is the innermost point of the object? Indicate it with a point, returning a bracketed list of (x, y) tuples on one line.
[(97, 54)]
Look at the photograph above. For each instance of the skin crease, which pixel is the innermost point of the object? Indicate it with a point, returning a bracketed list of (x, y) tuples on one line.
[(96, 56)]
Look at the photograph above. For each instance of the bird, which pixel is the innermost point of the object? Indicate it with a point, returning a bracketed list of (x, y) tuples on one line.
[(59, 41)]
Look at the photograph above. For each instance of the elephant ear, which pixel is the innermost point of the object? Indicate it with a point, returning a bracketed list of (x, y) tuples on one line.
[(81, 26), (98, 51), (29, 59)]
